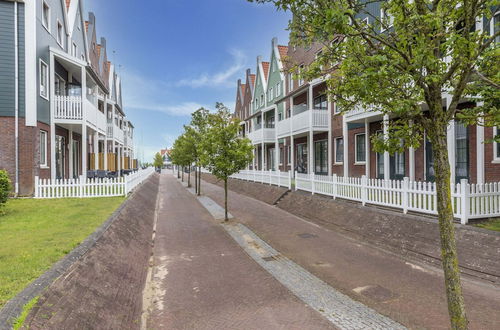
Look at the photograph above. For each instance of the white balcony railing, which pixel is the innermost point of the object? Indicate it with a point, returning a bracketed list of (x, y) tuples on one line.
[(283, 127), (68, 108), (311, 119), (109, 130), (263, 135), (360, 113)]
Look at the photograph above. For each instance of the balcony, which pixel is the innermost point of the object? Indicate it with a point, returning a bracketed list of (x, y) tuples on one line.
[(283, 128), (265, 135), (360, 114), (71, 110), (316, 120)]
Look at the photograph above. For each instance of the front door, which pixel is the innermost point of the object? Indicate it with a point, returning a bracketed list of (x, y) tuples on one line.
[(301, 166)]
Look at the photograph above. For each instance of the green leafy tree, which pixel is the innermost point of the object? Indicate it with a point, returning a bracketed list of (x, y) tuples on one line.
[(158, 160), (199, 125), (226, 153), (401, 64), (5, 188)]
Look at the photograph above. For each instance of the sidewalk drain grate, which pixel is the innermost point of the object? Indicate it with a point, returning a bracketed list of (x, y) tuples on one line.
[(307, 235), (271, 258)]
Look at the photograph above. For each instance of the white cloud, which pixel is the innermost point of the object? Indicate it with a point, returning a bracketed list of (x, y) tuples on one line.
[(223, 78)]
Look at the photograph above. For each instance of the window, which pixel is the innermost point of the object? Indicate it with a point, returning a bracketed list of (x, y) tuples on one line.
[(46, 16), (43, 148), (270, 96), (278, 89), (387, 19), (60, 36), (270, 122), (280, 116), (336, 108), (360, 153), (282, 155), (461, 152), (289, 155), (262, 99), (339, 150), (60, 85), (321, 157), (74, 50), (44, 80), (320, 103), (301, 165), (496, 26), (301, 70), (290, 82), (496, 146)]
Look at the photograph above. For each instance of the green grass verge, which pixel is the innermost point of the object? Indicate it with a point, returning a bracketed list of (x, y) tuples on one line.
[(26, 310), (491, 224), (35, 233)]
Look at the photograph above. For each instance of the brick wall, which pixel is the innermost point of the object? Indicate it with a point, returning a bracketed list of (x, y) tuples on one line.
[(29, 149)]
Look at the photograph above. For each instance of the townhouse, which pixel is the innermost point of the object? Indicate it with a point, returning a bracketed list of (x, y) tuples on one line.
[(295, 127), (61, 110)]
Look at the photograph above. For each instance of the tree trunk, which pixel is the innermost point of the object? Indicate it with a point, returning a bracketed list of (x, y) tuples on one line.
[(178, 173), (182, 170), (189, 177), (456, 306), (225, 199), (195, 179), (199, 182)]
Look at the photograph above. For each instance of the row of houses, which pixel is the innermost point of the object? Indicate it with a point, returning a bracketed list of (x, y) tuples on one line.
[(61, 110), (295, 127)]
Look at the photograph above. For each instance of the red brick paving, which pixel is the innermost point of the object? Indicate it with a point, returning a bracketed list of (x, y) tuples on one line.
[(205, 279), (410, 293)]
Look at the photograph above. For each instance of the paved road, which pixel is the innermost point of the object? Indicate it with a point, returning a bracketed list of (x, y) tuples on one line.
[(203, 280), (410, 293)]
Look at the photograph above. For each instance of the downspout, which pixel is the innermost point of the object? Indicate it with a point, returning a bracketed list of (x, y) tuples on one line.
[(16, 97)]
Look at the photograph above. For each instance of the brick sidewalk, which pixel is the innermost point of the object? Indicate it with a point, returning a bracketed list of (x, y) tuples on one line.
[(411, 293), (203, 280)]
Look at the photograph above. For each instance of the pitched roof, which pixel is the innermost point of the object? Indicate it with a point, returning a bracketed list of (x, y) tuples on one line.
[(283, 51), (265, 67), (252, 80), (242, 87)]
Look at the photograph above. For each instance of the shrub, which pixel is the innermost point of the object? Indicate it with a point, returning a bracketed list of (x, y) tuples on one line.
[(5, 187)]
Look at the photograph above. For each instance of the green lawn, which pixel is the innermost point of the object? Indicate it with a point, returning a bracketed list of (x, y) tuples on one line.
[(34, 234), (491, 224)]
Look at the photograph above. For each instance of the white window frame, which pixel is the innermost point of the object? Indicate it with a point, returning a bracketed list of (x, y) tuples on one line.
[(40, 66), (496, 158), (278, 89), (335, 161), (46, 26), (335, 108), (44, 161), (301, 80), (60, 33), (356, 161)]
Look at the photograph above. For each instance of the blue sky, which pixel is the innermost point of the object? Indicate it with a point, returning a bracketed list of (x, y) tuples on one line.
[(178, 55)]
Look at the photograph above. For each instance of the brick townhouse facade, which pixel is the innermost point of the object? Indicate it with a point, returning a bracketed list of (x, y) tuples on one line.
[(61, 111), (295, 127)]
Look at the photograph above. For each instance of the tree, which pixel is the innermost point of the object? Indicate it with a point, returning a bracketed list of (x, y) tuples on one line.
[(226, 152), (400, 64), (158, 160), (199, 124)]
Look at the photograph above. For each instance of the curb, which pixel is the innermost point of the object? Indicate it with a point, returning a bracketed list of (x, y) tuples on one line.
[(11, 311)]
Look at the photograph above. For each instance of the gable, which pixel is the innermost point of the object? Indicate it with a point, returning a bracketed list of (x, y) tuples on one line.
[(78, 35)]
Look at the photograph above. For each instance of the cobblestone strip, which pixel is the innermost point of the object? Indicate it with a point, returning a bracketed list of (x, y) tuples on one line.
[(342, 311)]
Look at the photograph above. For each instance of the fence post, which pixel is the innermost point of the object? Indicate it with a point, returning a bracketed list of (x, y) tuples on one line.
[(405, 192), (312, 182), (464, 196), (125, 192), (82, 186), (289, 180), (296, 181), (36, 186), (364, 195), (334, 183)]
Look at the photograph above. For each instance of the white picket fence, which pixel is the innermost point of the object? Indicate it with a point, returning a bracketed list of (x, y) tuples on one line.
[(85, 187), (469, 201), (277, 178)]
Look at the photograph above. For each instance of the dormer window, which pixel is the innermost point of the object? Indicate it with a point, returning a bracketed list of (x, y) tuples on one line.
[(60, 33), (46, 16)]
